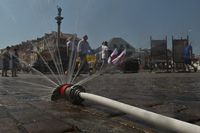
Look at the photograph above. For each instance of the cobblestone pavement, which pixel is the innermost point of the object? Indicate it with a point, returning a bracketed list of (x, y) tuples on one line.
[(25, 104)]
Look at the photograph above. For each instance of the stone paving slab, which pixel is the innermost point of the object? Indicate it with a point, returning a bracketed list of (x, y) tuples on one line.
[(29, 115), (8, 125), (27, 108), (3, 112), (85, 119), (48, 126)]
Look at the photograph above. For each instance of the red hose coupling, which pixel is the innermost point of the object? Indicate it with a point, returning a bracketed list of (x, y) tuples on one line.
[(59, 92)]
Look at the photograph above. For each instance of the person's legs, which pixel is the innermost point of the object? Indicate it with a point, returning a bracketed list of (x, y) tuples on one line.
[(82, 62), (6, 68), (15, 72), (104, 64), (186, 64), (3, 72), (6, 74), (188, 67), (12, 71), (3, 69), (86, 65)]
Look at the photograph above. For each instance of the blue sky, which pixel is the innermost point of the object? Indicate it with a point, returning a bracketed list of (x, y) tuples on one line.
[(133, 20)]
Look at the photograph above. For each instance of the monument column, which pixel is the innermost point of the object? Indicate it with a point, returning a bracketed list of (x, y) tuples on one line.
[(59, 20)]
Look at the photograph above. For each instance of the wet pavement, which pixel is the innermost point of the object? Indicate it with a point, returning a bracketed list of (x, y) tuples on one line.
[(25, 105)]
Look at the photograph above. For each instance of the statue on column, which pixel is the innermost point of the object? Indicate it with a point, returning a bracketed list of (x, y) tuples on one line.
[(59, 10)]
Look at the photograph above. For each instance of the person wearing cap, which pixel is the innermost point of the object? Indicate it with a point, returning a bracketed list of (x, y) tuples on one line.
[(6, 60), (83, 50)]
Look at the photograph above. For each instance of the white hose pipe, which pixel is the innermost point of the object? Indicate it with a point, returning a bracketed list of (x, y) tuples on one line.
[(157, 120)]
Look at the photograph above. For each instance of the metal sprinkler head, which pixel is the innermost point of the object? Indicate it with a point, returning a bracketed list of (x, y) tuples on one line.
[(69, 92)]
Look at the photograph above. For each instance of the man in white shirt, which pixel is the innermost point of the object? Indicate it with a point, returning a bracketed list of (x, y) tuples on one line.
[(104, 54)]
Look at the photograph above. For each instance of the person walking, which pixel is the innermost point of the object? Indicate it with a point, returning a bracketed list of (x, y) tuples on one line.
[(83, 50), (71, 46), (104, 54), (6, 62), (187, 55), (71, 52), (15, 62)]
